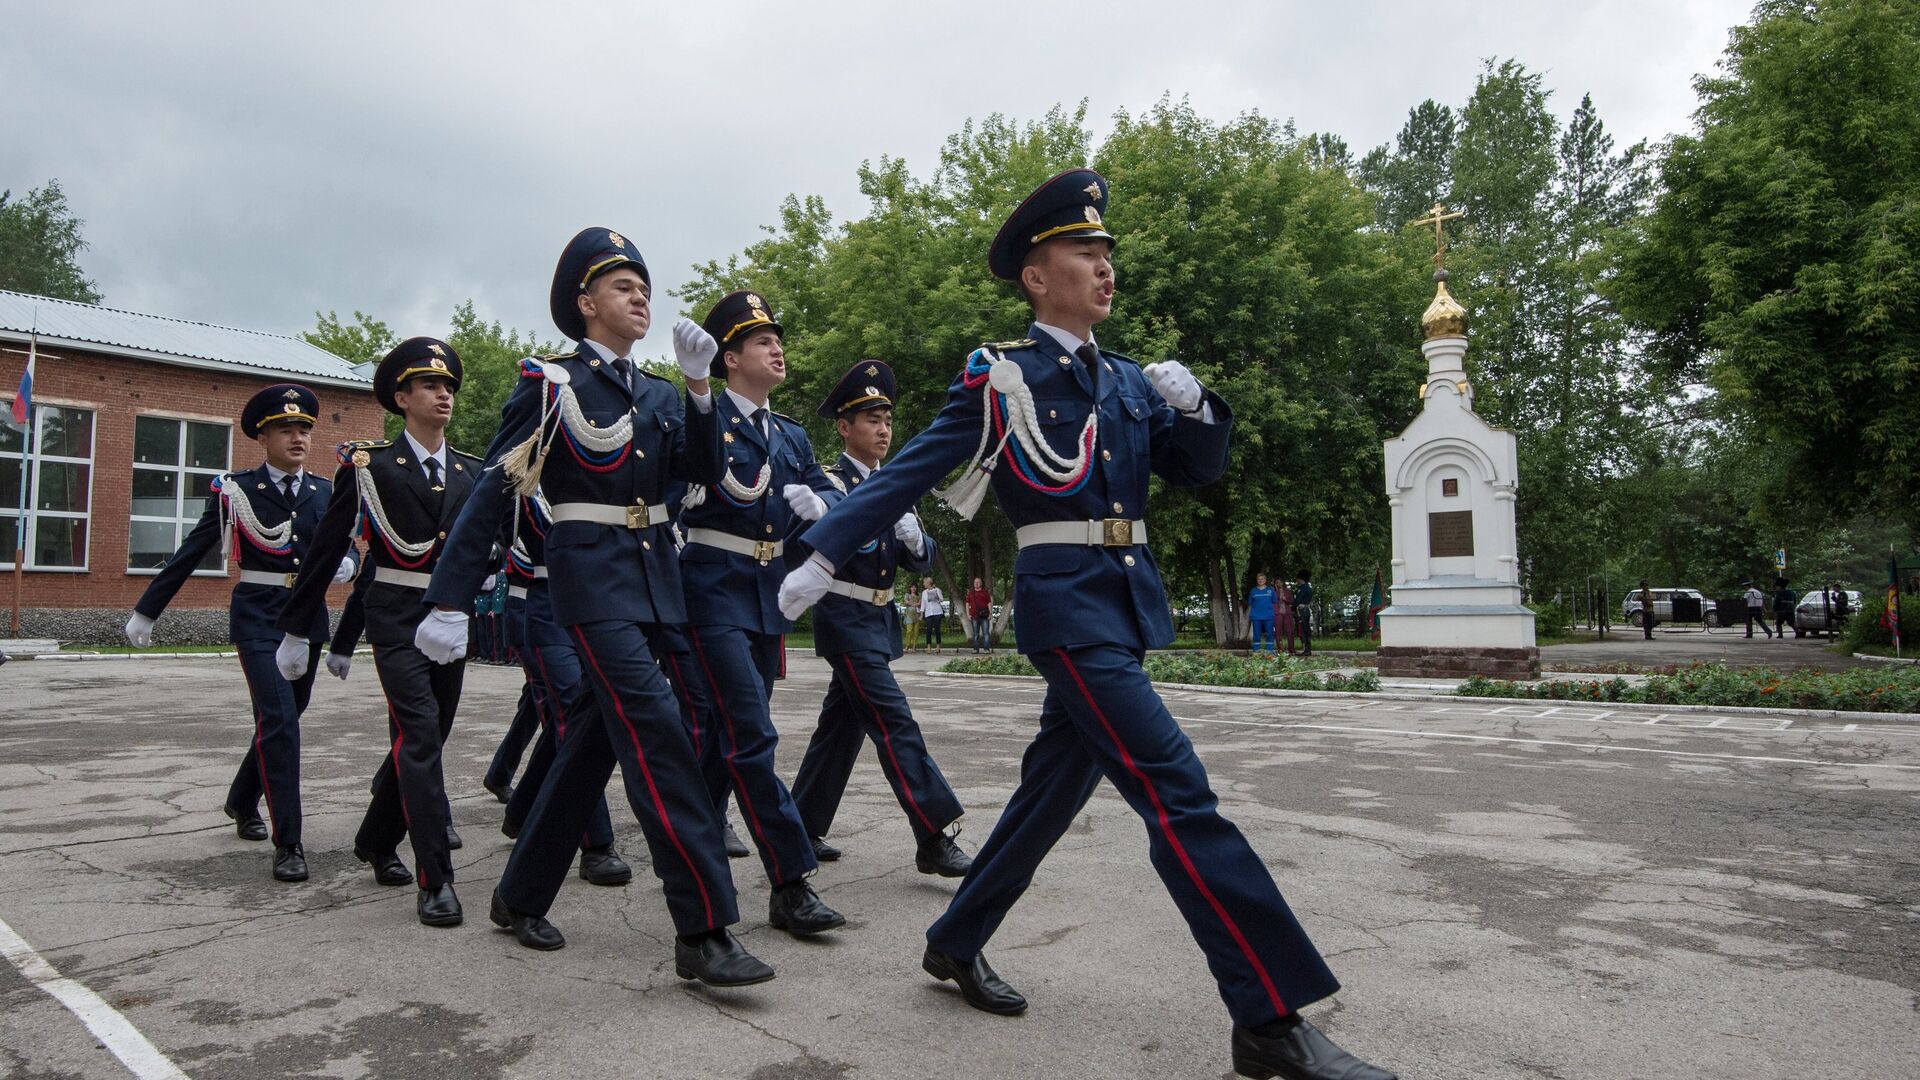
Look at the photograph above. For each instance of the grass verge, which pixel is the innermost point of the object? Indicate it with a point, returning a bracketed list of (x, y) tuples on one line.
[(1879, 689), (1265, 672)]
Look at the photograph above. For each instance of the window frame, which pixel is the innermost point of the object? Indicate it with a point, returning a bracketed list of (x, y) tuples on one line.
[(181, 470), (31, 485)]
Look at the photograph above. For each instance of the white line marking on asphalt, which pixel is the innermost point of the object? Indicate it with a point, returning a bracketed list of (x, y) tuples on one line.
[(114, 1031), (1551, 742)]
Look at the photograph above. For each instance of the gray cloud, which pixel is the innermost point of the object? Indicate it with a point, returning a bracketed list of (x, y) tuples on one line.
[(249, 163)]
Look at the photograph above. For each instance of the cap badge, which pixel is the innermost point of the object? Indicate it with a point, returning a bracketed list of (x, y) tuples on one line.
[(755, 302), (438, 364), (1092, 190), (293, 408), (436, 350), (873, 372), (291, 394), (873, 391), (616, 239), (1093, 215)]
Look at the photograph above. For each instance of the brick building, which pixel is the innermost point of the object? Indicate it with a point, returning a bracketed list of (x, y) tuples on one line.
[(133, 417)]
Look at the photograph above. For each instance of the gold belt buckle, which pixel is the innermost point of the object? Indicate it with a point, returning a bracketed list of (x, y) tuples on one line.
[(637, 516), (882, 597), (1118, 532), (763, 551), (291, 578)]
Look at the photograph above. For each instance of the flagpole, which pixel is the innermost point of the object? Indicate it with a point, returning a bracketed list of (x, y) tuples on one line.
[(26, 481)]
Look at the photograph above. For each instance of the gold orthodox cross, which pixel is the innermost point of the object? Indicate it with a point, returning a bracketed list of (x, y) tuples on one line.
[(1438, 218)]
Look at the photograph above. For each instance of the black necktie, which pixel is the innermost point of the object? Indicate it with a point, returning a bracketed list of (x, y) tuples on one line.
[(760, 420), (433, 474), (625, 367), (287, 484), (1090, 356)]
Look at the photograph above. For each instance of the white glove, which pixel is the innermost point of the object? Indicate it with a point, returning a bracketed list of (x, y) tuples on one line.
[(338, 663), (907, 531), (345, 572), (139, 631), (694, 349), (804, 587), (488, 584), (291, 657), (442, 636), (1176, 384), (808, 505)]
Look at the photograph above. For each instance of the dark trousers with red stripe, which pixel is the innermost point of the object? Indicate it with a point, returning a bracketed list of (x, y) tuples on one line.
[(271, 766), (736, 669), (865, 702), (409, 791), (1102, 718), (564, 705), (674, 649), (526, 721), (639, 728)]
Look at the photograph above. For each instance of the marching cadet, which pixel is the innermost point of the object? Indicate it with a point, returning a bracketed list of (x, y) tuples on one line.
[(732, 563), (403, 495), (856, 629), (602, 440), (1066, 434), (272, 511)]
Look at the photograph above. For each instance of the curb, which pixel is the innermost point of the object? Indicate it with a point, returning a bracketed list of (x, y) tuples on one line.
[(1401, 695), (1887, 659)]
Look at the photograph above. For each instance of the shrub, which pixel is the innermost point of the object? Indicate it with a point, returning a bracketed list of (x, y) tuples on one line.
[(1887, 689), (1262, 671), (1864, 626)]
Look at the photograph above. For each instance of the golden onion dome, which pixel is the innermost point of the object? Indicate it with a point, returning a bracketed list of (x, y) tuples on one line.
[(1444, 317)]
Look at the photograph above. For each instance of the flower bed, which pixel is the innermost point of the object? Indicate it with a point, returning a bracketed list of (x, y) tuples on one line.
[(1265, 672), (1863, 690)]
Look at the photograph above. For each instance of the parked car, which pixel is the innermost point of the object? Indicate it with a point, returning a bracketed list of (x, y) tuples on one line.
[(1194, 615), (1663, 606), (1810, 615)]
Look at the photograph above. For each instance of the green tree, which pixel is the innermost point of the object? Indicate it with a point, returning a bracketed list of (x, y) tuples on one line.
[(364, 340), (40, 244), (1780, 266), (1415, 174)]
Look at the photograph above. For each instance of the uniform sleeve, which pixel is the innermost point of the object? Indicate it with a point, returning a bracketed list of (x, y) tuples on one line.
[(353, 619), (332, 539), (467, 555), (181, 564), (699, 454), (877, 503), (922, 562)]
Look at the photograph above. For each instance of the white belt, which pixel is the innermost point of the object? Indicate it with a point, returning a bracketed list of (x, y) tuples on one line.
[(268, 577), (764, 550), (518, 592), (862, 593), (1107, 532), (393, 575), (637, 516)]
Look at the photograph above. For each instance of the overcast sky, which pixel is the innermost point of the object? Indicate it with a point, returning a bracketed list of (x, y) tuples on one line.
[(250, 163)]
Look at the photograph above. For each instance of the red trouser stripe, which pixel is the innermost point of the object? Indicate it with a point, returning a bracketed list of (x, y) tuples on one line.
[(400, 737), (260, 766), (886, 743), (739, 786), (659, 807), (1166, 830)]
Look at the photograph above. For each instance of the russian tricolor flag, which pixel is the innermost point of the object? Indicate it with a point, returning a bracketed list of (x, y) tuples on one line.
[(23, 401)]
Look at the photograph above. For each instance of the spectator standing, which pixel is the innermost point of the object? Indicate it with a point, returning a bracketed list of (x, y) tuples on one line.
[(980, 611), (1757, 609), (1842, 611), (1283, 619), (1303, 613), (912, 617), (1646, 609), (1783, 599), (933, 610), (1260, 606)]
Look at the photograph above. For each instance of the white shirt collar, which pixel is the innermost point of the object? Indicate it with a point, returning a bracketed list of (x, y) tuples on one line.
[(860, 465), (420, 452), (747, 408), (277, 475), (1071, 343), (601, 351)]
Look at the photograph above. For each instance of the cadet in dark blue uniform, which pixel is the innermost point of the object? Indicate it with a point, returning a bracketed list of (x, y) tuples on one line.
[(736, 532), (602, 440), (1067, 434), (856, 629), (402, 495), (272, 511)]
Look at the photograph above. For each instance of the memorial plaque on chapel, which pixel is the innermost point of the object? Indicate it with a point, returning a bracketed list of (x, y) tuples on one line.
[(1450, 533)]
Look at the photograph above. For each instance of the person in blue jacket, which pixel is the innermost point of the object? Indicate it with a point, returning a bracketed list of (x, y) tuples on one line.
[(1260, 601), (272, 511), (1066, 434), (856, 629), (603, 440)]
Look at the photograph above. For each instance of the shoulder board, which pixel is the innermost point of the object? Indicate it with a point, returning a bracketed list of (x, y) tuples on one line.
[(533, 367), (1002, 346), (652, 374), (1120, 357), (354, 446), (462, 453), (789, 419)]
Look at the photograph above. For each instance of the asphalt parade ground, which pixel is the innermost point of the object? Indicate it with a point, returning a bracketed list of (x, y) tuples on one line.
[(1519, 891)]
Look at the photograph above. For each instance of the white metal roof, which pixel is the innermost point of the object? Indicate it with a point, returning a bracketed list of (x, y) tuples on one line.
[(170, 341)]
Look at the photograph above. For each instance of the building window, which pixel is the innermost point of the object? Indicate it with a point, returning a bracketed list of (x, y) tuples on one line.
[(174, 465), (58, 493)]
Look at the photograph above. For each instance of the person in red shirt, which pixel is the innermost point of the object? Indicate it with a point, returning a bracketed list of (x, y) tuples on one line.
[(980, 616)]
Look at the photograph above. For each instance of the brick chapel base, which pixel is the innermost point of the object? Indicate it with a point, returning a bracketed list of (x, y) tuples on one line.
[(1434, 662)]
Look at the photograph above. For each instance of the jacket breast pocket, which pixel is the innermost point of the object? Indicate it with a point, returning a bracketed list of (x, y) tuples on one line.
[(1060, 422)]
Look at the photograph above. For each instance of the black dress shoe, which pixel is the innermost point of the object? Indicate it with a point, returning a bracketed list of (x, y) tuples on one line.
[(795, 908), (439, 907), (387, 868), (939, 855), (825, 852), (247, 826), (978, 984), (735, 848), (454, 843), (503, 792), (1299, 1053), (289, 863), (530, 930), (603, 866), (718, 960)]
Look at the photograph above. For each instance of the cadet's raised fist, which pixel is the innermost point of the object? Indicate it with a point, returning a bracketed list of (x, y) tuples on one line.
[(693, 348), (805, 503), (1175, 383)]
